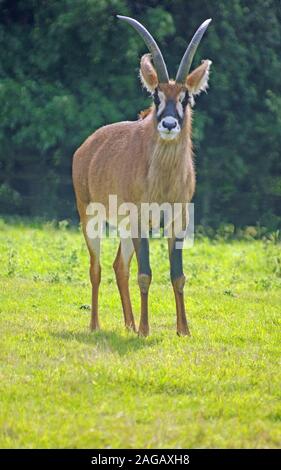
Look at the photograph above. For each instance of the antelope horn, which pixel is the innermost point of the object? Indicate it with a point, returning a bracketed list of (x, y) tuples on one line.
[(157, 57), (190, 51)]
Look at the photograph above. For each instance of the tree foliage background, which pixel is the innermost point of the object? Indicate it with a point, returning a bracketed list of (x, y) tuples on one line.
[(69, 66)]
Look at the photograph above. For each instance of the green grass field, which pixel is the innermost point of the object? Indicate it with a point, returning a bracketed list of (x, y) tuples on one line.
[(62, 386)]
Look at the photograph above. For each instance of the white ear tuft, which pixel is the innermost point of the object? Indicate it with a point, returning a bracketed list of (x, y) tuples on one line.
[(148, 73), (145, 84), (204, 82), (197, 81)]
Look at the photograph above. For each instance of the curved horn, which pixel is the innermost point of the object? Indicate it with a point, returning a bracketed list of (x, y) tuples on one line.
[(190, 51), (157, 57)]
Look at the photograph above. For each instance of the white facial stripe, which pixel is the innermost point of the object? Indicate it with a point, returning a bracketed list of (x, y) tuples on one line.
[(181, 96), (179, 104), (179, 109), (162, 103)]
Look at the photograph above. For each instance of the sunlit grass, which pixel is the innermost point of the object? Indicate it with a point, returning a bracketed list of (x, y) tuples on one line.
[(62, 386)]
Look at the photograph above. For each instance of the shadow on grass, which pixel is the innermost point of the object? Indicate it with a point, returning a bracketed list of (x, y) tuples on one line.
[(109, 340)]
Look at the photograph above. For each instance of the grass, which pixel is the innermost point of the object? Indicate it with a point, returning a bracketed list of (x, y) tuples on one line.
[(62, 386)]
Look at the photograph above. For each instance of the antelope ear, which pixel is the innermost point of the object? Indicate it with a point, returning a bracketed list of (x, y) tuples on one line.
[(197, 81), (148, 73)]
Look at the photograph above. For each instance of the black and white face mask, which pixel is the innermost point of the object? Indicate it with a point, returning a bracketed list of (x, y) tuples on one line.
[(170, 113)]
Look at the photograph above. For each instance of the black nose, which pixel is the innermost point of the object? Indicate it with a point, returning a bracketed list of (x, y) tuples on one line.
[(169, 125)]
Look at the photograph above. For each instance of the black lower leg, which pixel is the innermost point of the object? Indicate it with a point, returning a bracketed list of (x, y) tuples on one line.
[(178, 281), (176, 264), (144, 279), (143, 257)]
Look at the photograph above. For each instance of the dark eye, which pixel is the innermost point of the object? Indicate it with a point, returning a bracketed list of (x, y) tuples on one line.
[(156, 98), (185, 99)]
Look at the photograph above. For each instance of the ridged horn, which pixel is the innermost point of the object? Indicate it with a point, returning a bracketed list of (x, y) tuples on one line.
[(190, 51), (157, 57)]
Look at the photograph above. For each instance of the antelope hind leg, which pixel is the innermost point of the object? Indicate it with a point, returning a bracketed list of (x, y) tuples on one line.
[(121, 267), (93, 245)]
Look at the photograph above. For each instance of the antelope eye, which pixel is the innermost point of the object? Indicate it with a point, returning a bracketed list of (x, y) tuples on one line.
[(156, 98), (182, 97)]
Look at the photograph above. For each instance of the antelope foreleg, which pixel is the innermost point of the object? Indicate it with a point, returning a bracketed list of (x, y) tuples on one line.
[(178, 282), (144, 280)]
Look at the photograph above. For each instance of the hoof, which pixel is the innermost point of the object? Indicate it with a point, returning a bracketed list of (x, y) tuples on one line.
[(94, 326), (183, 332), (143, 332), (131, 327)]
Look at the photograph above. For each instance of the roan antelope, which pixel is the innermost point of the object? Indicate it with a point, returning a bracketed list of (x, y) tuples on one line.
[(148, 160)]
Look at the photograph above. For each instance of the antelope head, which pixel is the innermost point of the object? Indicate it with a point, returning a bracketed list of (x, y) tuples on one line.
[(171, 97)]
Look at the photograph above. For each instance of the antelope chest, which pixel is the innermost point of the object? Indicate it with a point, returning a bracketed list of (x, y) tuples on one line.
[(167, 176)]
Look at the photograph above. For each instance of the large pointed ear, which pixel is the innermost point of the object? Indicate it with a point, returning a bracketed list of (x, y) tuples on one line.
[(197, 81), (148, 73)]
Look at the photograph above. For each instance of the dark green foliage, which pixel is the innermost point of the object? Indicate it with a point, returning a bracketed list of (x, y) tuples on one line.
[(68, 67)]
